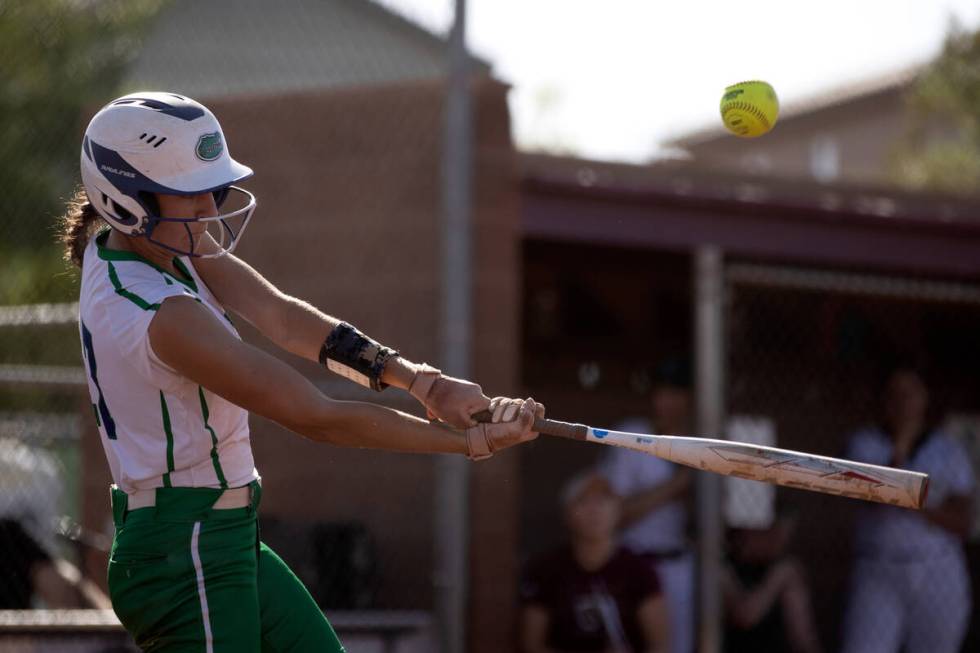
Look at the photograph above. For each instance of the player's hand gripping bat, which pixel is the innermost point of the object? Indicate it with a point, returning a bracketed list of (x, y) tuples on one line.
[(897, 487)]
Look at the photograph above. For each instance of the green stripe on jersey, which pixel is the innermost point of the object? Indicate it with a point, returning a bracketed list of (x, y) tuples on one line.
[(107, 254), (122, 292), (170, 439), (214, 439), (189, 278)]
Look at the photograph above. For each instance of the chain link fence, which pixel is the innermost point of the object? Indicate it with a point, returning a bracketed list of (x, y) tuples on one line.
[(339, 106), (868, 367), (59, 59), (357, 94)]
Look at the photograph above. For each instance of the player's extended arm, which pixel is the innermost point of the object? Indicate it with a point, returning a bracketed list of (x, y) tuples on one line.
[(748, 606), (534, 629), (639, 504), (655, 624), (300, 328), (188, 337)]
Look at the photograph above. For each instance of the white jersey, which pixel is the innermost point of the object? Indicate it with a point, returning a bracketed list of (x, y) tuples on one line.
[(628, 472), (159, 429), (910, 579), (902, 535)]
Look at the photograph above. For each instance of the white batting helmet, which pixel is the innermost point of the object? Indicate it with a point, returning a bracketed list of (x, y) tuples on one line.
[(146, 143)]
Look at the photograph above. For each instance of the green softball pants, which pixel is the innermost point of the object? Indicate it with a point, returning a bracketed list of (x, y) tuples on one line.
[(186, 578)]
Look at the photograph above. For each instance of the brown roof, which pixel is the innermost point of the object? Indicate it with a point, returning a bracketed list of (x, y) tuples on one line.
[(678, 183), (255, 47), (675, 208)]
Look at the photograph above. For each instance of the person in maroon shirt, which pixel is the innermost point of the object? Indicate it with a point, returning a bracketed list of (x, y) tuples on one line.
[(592, 594)]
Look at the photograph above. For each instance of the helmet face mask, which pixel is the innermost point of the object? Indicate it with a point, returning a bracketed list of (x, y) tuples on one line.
[(225, 229), (145, 144)]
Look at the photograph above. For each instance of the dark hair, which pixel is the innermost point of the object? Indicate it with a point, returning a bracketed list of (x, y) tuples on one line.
[(673, 371), (914, 362), (918, 364), (77, 226)]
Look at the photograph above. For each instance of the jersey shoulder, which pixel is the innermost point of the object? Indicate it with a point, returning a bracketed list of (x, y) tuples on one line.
[(131, 282)]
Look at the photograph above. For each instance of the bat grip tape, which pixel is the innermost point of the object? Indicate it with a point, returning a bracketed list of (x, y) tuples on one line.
[(547, 426)]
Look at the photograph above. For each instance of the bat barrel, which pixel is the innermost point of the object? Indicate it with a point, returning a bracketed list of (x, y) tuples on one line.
[(923, 493), (896, 487)]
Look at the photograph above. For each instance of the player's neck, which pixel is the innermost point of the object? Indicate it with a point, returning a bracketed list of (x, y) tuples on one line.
[(143, 248), (592, 555)]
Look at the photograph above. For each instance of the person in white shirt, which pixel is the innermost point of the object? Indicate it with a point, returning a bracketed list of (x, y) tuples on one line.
[(172, 384), (910, 586), (655, 491)]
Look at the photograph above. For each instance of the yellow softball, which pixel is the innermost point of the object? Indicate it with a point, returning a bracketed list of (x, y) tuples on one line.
[(749, 109)]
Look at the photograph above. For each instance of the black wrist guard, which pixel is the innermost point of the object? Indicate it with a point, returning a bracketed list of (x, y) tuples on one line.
[(354, 356)]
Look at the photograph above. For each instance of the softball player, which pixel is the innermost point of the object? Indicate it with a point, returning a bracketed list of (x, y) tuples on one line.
[(172, 384), (910, 586)]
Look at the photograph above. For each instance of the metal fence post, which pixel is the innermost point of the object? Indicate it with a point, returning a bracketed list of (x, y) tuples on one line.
[(452, 472), (709, 383)]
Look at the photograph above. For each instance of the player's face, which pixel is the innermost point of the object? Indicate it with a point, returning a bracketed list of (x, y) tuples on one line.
[(906, 399), (179, 235), (671, 408), (593, 515)]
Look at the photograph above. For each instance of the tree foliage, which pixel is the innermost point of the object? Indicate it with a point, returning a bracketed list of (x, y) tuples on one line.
[(941, 150), (59, 60)]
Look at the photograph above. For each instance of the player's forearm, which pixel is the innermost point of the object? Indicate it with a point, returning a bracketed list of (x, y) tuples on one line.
[(639, 505), (370, 426), (342, 348), (301, 328), (291, 323), (655, 623), (304, 329), (747, 606)]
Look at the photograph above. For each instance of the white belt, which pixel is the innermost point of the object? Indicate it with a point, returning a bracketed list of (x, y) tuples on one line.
[(236, 497)]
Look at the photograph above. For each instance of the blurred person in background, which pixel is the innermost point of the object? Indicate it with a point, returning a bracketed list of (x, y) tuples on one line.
[(910, 586), (766, 596), (32, 573), (172, 384), (592, 594), (655, 494)]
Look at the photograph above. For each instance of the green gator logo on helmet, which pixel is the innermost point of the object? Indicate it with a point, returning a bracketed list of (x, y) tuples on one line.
[(209, 146)]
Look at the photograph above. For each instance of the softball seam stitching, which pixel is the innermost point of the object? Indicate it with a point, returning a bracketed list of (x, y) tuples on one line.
[(745, 106)]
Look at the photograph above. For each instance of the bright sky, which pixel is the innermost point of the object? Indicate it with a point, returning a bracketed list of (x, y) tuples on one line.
[(614, 80)]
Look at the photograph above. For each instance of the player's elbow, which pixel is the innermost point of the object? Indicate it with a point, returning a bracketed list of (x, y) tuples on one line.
[(327, 420)]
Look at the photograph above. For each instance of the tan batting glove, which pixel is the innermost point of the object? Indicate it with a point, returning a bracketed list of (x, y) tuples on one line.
[(511, 422), (453, 401)]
